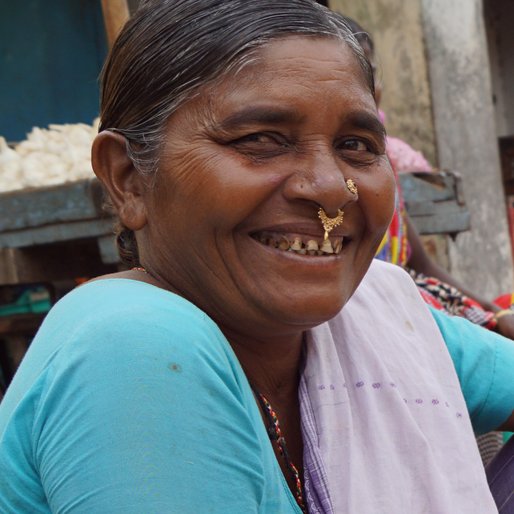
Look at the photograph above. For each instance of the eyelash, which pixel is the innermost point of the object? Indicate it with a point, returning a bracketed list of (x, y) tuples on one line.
[(273, 145), (268, 145), (368, 145)]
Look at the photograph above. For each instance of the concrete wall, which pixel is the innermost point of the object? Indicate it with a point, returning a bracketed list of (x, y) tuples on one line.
[(466, 138), (499, 16), (396, 27)]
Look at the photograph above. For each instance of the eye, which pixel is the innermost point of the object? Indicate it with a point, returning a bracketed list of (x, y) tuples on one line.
[(261, 144), (354, 145), (258, 138), (358, 151)]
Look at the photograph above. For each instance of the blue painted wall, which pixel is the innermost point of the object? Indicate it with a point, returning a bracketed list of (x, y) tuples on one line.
[(51, 54)]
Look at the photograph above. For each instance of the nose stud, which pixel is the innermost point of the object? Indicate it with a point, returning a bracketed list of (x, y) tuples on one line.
[(350, 184), (330, 223)]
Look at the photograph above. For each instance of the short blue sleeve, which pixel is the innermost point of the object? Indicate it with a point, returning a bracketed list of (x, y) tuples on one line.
[(484, 362), (144, 409)]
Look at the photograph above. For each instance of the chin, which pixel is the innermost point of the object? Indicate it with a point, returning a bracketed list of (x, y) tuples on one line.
[(308, 313)]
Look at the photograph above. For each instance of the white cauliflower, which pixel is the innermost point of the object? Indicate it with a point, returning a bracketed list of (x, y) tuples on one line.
[(59, 154)]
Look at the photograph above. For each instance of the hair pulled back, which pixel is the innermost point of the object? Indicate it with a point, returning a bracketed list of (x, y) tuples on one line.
[(361, 34), (169, 49)]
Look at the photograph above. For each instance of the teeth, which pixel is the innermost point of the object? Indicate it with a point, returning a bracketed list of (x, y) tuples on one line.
[(284, 244), (326, 247), (311, 247), (297, 244)]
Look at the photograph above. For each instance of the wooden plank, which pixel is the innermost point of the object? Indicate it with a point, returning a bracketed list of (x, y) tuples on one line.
[(435, 202), (66, 202), (430, 187), (446, 218), (56, 233), (116, 13)]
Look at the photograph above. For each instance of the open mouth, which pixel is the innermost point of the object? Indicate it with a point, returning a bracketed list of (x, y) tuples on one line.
[(302, 245)]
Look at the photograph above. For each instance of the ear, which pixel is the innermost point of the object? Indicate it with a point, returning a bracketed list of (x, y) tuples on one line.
[(125, 185)]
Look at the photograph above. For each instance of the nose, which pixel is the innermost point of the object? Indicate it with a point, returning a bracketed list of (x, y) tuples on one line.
[(322, 182)]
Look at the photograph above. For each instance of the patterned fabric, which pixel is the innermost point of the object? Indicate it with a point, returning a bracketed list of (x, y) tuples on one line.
[(500, 474), (489, 445), (315, 476), (447, 298), (394, 247)]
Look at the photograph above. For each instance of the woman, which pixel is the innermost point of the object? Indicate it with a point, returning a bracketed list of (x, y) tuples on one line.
[(241, 148)]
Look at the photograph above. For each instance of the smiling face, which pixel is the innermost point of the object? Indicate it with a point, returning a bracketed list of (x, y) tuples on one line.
[(232, 222)]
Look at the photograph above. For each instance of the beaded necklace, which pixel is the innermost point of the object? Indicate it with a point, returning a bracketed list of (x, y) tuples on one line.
[(275, 434)]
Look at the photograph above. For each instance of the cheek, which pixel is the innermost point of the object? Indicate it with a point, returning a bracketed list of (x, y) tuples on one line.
[(378, 202)]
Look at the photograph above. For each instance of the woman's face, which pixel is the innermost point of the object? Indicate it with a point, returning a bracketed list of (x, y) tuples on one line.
[(246, 166)]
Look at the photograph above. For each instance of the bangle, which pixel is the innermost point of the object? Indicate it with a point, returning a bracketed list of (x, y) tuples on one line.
[(503, 312)]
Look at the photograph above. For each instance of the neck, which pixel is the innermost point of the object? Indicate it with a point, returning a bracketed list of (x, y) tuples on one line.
[(272, 365)]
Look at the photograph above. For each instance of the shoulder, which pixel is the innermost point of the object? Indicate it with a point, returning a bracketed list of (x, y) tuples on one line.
[(122, 330), (116, 308)]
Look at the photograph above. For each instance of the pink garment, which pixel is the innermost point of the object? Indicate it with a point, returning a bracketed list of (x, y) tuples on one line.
[(389, 421), (404, 158)]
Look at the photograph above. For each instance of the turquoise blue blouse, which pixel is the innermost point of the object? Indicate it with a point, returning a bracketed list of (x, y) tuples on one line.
[(130, 400)]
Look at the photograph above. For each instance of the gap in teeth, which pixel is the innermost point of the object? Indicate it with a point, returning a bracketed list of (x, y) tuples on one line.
[(302, 245)]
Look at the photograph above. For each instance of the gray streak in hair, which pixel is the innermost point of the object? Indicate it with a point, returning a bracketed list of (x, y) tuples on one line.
[(170, 49)]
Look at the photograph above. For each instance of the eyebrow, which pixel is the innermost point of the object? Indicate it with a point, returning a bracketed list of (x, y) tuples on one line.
[(366, 121), (277, 115), (259, 115)]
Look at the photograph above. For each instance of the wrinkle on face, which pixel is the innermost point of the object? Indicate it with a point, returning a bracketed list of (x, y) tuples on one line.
[(213, 193)]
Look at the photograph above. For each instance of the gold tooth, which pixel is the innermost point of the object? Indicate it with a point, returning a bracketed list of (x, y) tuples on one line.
[(326, 247), (338, 246)]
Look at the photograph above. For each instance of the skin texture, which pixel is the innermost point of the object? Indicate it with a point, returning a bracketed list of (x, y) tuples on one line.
[(261, 151)]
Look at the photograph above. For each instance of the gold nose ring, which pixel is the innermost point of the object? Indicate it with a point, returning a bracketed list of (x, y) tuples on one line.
[(330, 223), (350, 184)]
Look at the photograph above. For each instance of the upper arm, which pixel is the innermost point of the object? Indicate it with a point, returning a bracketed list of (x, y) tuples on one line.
[(146, 420), (484, 362), (418, 258)]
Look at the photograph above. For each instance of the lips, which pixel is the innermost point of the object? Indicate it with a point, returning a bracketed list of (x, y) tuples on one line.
[(301, 244)]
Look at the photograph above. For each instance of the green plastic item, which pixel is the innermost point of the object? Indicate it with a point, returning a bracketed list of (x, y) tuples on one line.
[(32, 301)]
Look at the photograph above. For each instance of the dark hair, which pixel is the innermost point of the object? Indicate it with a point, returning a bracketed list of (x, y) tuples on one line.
[(169, 49), (361, 34)]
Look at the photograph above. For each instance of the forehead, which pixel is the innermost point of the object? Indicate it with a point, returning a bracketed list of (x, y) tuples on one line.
[(296, 70), (322, 54)]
